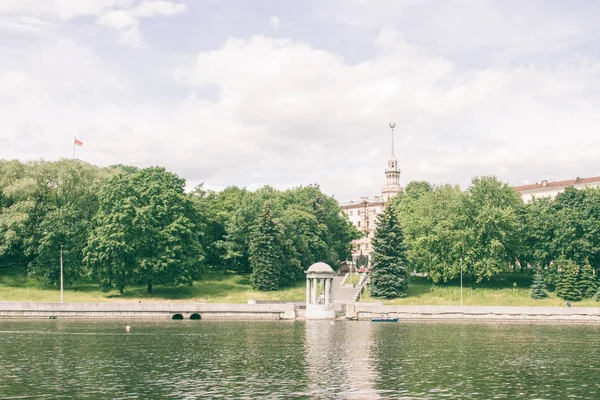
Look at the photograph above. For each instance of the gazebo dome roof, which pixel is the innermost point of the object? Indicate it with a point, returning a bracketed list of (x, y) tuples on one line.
[(320, 268)]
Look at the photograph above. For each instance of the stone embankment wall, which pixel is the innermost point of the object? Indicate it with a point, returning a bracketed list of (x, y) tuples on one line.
[(146, 310), (275, 311), (366, 311)]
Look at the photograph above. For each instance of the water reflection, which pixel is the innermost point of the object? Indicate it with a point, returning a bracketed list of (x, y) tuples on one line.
[(296, 359), (339, 360)]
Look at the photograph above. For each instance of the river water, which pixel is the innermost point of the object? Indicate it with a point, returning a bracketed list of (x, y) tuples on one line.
[(62, 359)]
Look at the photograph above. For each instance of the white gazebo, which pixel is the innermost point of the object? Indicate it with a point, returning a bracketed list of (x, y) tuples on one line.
[(319, 301)]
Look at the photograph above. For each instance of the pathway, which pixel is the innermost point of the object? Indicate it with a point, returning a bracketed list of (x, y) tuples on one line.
[(342, 293)]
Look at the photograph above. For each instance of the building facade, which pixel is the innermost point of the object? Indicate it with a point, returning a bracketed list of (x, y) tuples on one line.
[(363, 213), (551, 189)]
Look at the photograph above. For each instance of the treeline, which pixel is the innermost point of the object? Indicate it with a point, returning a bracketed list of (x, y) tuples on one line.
[(121, 225), (489, 230)]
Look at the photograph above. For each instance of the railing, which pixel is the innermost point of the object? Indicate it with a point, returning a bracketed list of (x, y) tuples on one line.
[(362, 284)]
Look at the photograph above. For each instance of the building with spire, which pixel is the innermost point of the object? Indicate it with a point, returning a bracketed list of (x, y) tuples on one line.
[(363, 213)]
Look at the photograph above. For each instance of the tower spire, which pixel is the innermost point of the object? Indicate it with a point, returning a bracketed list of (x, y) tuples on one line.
[(392, 126), (392, 173)]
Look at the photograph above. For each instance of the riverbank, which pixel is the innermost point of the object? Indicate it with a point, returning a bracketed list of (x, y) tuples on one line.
[(291, 311), (509, 289)]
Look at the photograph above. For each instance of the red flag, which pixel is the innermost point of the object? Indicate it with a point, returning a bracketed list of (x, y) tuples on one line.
[(78, 142)]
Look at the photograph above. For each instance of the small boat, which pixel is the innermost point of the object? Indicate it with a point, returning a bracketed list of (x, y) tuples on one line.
[(384, 319)]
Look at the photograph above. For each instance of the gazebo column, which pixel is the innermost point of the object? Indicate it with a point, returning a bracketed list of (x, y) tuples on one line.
[(307, 291), (327, 289), (314, 291)]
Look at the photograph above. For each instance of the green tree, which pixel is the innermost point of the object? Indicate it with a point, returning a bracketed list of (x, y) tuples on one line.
[(389, 278), (146, 230), (538, 287), (577, 233), (64, 228), (538, 227), (567, 287), (266, 252), (490, 218), (35, 191), (241, 225), (434, 232), (216, 210), (587, 283), (329, 234)]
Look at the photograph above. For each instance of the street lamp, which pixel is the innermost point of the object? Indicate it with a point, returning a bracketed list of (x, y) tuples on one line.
[(461, 276), (61, 274)]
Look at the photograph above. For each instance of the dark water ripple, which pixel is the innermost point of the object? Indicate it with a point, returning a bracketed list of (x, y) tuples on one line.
[(313, 360)]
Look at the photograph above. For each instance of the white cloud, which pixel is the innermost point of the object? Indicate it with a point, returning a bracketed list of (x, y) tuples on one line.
[(119, 20), (123, 16), (126, 22), (285, 112), (156, 8), (274, 22), (487, 121), (61, 9)]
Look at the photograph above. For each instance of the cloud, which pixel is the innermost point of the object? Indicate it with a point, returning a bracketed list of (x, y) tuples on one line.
[(61, 9), (478, 31), (118, 20), (126, 22), (158, 8), (274, 22), (314, 102), (123, 16), (286, 111)]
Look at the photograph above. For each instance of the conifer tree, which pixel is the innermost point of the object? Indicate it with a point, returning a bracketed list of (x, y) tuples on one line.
[(390, 273), (538, 287), (587, 283), (264, 252), (567, 287)]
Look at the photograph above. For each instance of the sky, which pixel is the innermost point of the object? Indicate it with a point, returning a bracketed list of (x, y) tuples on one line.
[(288, 93)]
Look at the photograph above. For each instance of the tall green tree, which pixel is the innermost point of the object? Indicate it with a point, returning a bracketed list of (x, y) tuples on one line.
[(34, 192), (390, 276), (490, 217), (64, 229), (538, 287), (577, 233), (241, 225), (216, 210), (587, 284), (538, 227), (146, 231), (434, 230), (567, 287), (265, 252)]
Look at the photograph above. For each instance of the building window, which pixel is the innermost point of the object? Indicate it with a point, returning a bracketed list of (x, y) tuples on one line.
[(357, 212), (366, 246), (367, 223), (350, 212), (358, 224)]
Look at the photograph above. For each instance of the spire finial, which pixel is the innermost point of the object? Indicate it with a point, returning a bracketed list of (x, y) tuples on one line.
[(392, 126)]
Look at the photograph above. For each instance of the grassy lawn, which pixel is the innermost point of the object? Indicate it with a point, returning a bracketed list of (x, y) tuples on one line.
[(214, 288), (499, 292), (233, 288)]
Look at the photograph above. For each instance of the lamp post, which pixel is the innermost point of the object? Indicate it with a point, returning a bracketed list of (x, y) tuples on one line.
[(461, 276), (61, 274)]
